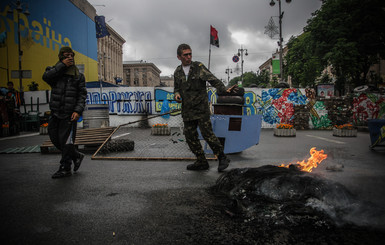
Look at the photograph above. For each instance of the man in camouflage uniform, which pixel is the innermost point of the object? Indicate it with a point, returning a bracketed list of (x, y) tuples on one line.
[(190, 89)]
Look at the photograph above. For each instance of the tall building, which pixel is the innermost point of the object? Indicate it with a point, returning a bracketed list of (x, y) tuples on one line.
[(167, 81), (110, 57), (110, 49), (141, 74)]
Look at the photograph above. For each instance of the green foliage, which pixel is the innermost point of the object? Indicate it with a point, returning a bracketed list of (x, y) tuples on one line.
[(260, 79), (346, 34), (349, 35), (302, 65)]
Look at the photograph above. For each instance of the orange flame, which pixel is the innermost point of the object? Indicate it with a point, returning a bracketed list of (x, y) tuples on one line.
[(316, 158)]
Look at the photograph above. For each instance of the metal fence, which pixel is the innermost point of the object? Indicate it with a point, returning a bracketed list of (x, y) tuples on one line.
[(140, 140)]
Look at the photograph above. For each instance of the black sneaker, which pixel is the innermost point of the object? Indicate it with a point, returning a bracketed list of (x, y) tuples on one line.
[(198, 165), (61, 173), (223, 163), (78, 161)]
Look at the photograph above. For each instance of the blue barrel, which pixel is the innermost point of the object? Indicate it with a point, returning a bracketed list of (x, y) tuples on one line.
[(377, 131)]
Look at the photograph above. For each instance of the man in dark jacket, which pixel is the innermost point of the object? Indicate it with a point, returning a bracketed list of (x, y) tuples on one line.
[(190, 89), (68, 96)]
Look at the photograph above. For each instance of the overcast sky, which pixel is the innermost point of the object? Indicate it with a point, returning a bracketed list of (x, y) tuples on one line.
[(153, 29)]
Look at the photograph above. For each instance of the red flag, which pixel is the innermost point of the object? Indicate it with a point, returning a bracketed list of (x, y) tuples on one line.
[(214, 40)]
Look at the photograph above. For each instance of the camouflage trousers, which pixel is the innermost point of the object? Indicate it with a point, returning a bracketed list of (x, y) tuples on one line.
[(192, 137)]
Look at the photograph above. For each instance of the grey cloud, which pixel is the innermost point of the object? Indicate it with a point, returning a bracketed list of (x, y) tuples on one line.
[(154, 28)]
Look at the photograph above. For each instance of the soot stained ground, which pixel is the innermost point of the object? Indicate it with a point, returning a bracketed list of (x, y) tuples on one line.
[(209, 216)]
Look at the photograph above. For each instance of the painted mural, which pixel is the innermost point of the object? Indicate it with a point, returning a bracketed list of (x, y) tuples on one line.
[(50, 25), (276, 105), (368, 106), (123, 102), (319, 115)]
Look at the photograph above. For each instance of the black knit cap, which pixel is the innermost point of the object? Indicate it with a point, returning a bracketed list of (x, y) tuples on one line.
[(65, 50)]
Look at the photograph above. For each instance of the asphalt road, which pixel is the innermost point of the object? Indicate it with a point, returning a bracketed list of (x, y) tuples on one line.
[(143, 202)]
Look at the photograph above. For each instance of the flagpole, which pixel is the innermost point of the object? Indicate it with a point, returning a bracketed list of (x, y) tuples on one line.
[(209, 57), (209, 48)]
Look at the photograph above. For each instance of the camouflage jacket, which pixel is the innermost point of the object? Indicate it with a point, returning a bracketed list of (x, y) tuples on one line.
[(195, 104)]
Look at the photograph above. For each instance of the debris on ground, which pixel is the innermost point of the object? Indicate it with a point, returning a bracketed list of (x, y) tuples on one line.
[(117, 145)]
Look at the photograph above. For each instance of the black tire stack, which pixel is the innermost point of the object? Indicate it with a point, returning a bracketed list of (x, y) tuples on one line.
[(230, 103)]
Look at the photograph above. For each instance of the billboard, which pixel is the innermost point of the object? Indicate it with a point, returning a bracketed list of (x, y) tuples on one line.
[(49, 26), (276, 64)]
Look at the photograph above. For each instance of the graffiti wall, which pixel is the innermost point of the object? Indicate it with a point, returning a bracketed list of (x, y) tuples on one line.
[(368, 106), (276, 105)]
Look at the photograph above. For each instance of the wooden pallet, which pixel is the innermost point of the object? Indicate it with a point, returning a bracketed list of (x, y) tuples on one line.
[(92, 137)]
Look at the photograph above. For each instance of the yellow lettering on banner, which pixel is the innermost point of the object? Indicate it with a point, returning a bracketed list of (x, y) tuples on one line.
[(170, 96)]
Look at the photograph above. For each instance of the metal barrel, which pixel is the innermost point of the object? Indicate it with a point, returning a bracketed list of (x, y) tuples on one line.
[(96, 116)]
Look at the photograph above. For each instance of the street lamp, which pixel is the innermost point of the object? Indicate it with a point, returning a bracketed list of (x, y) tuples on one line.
[(228, 71), (19, 9), (272, 3), (240, 53)]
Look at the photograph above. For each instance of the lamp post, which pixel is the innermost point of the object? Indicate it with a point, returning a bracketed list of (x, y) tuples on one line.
[(228, 71), (240, 53), (19, 9), (272, 3)]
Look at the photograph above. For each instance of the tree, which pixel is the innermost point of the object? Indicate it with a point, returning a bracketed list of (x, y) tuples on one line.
[(302, 65), (349, 35), (252, 78)]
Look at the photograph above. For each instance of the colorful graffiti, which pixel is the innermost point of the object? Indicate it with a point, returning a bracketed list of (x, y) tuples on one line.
[(162, 96), (277, 105), (368, 106), (319, 118)]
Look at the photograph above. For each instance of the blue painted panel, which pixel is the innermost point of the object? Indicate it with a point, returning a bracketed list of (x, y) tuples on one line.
[(58, 20), (237, 141)]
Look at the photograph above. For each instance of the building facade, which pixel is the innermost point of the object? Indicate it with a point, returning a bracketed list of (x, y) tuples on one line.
[(109, 51), (44, 29), (167, 81), (141, 74), (110, 57)]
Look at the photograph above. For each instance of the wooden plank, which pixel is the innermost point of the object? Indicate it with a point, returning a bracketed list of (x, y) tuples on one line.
[(86, 137)]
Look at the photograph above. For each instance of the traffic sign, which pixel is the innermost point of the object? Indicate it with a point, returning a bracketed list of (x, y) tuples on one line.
[(235, 58)]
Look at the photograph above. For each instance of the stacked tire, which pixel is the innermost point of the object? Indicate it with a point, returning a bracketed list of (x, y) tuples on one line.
[(234, 97), (230, 103)]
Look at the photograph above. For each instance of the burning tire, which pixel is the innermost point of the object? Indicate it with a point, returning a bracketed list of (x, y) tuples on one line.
[(286, 196)]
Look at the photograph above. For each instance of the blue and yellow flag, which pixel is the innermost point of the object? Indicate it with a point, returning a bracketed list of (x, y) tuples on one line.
[(101, 27)]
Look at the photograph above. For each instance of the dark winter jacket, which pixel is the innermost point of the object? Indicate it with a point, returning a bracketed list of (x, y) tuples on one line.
[(68, 92)]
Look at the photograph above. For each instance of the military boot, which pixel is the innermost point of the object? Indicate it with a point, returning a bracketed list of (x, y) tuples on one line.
[(199, 165), (63, 171), (223, 162)]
